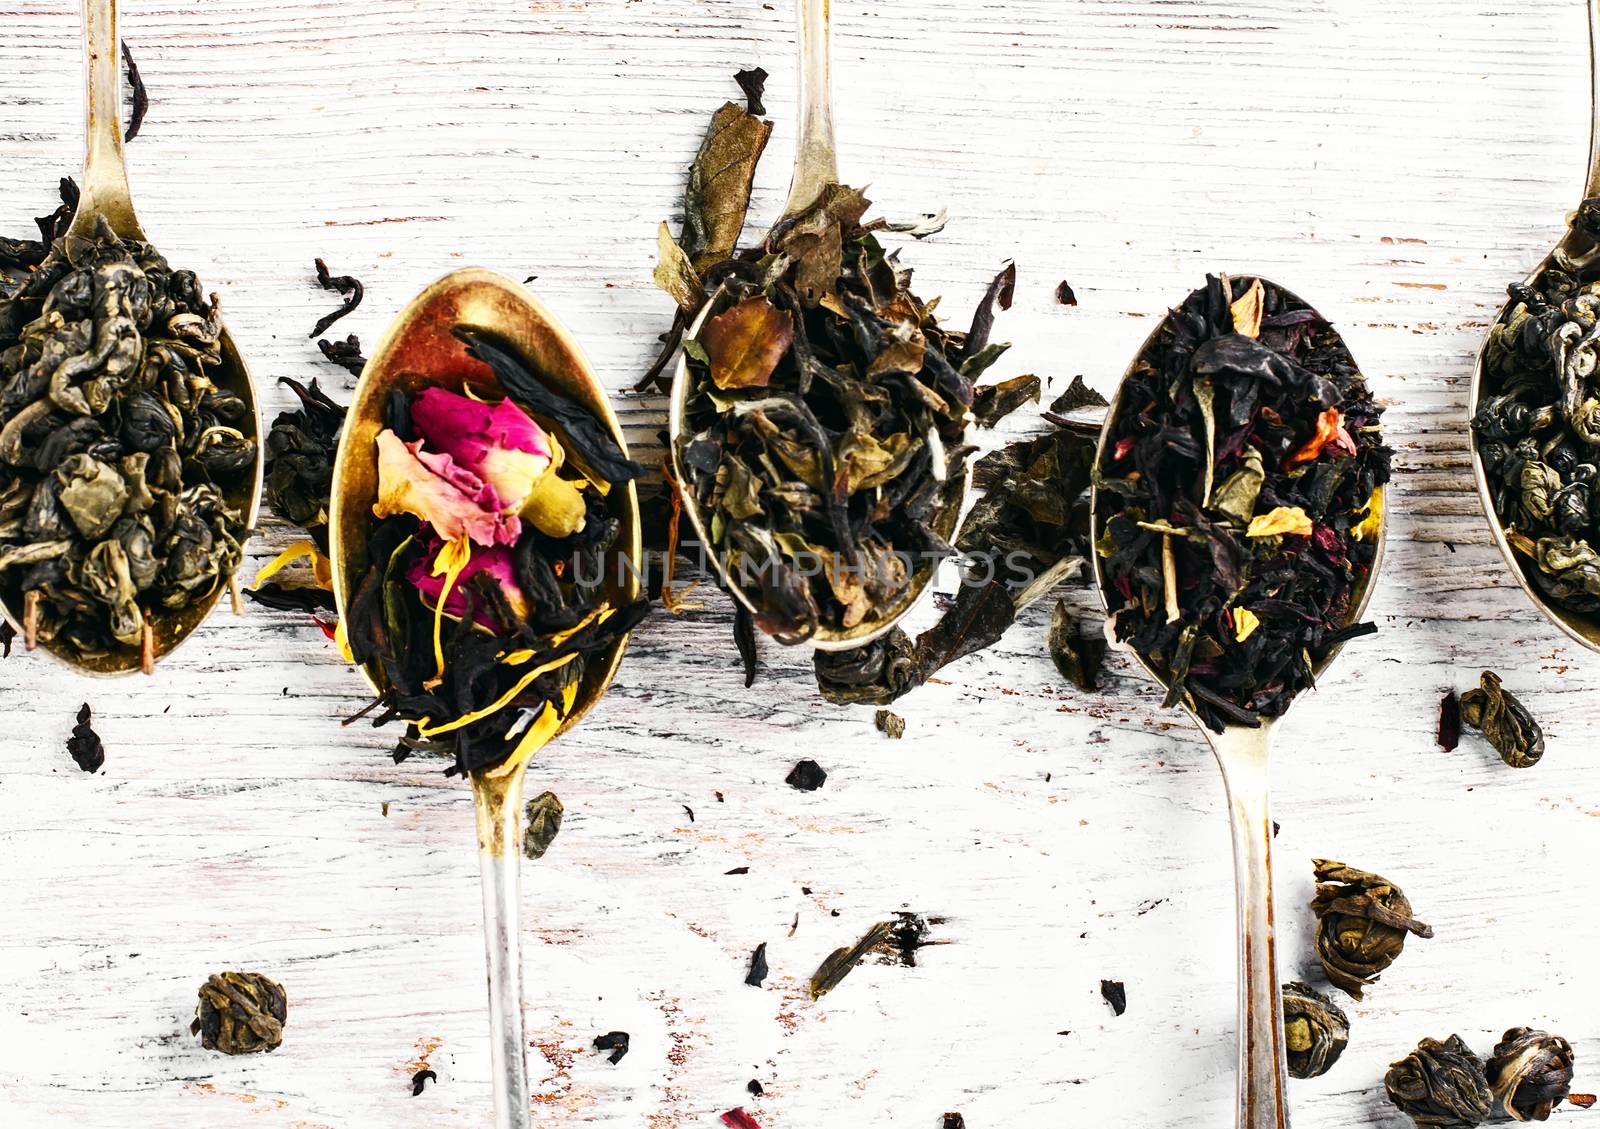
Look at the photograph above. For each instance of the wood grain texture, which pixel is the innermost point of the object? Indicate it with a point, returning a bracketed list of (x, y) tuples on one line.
[(1396, 164)]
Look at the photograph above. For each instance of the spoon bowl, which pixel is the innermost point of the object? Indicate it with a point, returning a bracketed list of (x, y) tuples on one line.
[(1243, 755), (816, 166), (416, 351), (1580, 627), (104, 194)]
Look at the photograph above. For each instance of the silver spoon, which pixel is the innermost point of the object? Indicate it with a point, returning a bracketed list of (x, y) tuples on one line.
[(104, 193), (1243, 755), (418, 350), (816, 165), (1579, 627)]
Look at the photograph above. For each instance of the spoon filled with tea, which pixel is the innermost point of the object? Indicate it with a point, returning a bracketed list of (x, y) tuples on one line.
[(1237, 512), (130, 454)]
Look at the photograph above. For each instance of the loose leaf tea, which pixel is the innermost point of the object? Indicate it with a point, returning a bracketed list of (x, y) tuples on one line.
[(1530, 1071), (1028, 531), (1315, 1030), (1538, 422), (542, 823), (840, 962), (1440, 1086), (806, 776), (614, 1041), (141, 97), (754, 84), (346, 354), (420, 1079), (1449, 735), (348, 287), (486, 597), (1115, 994), (117, 452), (890, 724), (1077, 657), (1240, 500), (1504, 721), (84, 746), (758, 966), (240, 1013), (1362, 923)]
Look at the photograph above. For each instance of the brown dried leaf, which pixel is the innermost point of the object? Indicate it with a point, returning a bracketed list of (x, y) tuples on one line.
[(746, 342), (718, 195)]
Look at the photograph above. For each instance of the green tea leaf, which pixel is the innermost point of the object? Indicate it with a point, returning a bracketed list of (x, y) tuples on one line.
[(675, 274)]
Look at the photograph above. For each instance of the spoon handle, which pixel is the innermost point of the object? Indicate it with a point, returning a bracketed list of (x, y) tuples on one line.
[(816, 165), (499, 806), (105, 177), (1593, 187), (1243, 755)]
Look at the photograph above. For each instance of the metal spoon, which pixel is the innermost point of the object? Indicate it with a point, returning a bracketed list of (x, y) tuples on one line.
[(104, 193), (1578, 626), (1243, 755), (816, 165), (416, 351)]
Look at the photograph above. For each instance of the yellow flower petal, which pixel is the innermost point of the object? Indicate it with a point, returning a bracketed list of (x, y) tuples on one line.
[(1373, 522), (538, 734), (341, 639), (298, 551), (1247, 310), (449, 563), (1245, 623), (1284, 519), (505, 699)]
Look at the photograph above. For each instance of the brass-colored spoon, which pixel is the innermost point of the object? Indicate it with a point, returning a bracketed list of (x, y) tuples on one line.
[(104, 193), (1578, 626), (816, 165), (416, 351), (1243, 755)]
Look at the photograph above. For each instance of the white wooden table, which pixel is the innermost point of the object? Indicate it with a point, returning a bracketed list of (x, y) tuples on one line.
[(1395, 163)]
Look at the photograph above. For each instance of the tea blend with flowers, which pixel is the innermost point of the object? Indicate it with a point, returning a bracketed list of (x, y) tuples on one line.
[(118, 453), (1240, 500), (485, 597), (825, 433), (1538, 422)]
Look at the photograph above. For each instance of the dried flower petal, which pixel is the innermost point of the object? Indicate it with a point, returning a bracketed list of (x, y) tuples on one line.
[(1282, 520), (453, 500), (745, 343)]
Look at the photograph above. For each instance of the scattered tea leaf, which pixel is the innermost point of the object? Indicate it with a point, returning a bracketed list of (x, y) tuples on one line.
[(240, 1013), (346, 354), (754, 83), (755, 1087), (543, 823), (890, 724), (84, 744), (1440, 1084), (839, 963), (1530, 1071), (141, 97), (991, 403), (1362, 922), (347, 286), (1315, 1030), (737, 870), (954, 1121), (420, 1079), (1116, 994), (744, 637), (758, 966), (1449, 722), (1077, 657), (675, 274), (8, 635), (718, 195), (1064, 294), (1077, 396), (1582, 1101), (614, 1041), (1504, 721), (807, 776)]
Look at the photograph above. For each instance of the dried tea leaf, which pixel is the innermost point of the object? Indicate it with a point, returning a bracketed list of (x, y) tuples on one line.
[(745, 343), (240, 1013), (1362, 923), (1449, 735), (1064, 294), (718, 194), (420, 1079), (1315, 1030), (744, 637), (1530, 1071), (1504, 720), (84, 745), (753, 83), (542, 824), (891, 725), (832, 971), (347, 286), (1116, 994), (991, 403), (806, 776), (758, 966), (614, 1041), (675, 274), (141, 97), (1077, 396), (1440, 1084), (1078, 658)]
